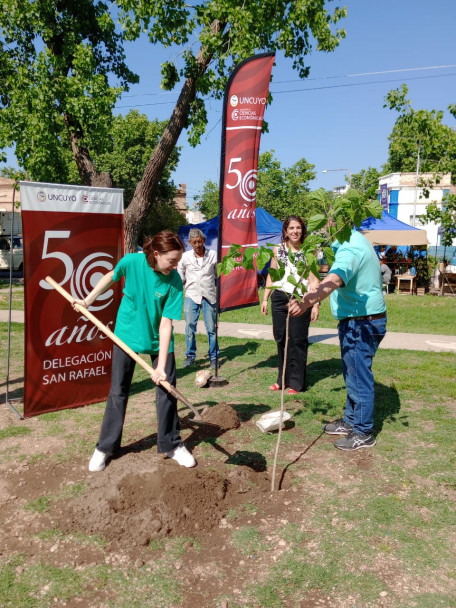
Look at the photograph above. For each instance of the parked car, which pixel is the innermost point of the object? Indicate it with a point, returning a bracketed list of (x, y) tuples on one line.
[(5, 253)]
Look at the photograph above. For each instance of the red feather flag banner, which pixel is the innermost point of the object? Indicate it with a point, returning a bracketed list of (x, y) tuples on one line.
[(243, 109)]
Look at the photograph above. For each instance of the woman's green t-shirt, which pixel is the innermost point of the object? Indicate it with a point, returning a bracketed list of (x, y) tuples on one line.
[(147, 297)]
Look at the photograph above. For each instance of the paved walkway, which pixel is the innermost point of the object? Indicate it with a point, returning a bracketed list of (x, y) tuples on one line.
[(426, 342)]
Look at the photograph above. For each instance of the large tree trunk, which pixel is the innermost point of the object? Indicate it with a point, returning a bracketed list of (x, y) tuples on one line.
[(143, 196), (146, 188), (86, 168)]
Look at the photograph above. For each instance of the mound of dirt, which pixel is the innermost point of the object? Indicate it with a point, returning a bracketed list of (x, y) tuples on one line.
[(136, 508), (222, 415)]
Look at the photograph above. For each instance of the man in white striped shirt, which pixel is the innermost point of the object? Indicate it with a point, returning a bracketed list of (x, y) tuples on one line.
[(198, 271)]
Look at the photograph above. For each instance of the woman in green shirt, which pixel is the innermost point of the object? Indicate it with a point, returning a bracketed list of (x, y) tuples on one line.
[(152, 298)]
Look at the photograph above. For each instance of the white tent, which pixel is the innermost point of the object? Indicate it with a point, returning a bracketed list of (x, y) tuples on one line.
[(390, 231)]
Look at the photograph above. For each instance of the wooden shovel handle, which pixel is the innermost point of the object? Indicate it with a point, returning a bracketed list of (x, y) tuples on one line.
[(86, 313)]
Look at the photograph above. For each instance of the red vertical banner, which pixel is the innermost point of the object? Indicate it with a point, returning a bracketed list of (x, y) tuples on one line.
[(243, 110), (75, 235)]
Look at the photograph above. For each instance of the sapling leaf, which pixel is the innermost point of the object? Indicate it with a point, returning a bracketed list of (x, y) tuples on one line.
[(316, 222), (293, 281), (312, 242), (264, 256), (226, 266), (276, 274), (249, 253), (344, 233), (248, 263), (314, 267), (329, 255), (234, 250)]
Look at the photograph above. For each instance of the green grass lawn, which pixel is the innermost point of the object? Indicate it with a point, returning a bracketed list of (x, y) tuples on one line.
[(410, 314), (17, 296)]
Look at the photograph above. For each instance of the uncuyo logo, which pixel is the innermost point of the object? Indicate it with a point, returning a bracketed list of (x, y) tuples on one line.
[(41, 196), (234, 100)]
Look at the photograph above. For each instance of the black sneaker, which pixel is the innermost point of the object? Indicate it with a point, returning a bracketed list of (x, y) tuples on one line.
[(338, 427), (188, 361), (355, 441)]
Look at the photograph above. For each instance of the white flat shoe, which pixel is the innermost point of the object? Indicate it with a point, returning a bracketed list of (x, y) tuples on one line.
[(182, 456), (98, 461)]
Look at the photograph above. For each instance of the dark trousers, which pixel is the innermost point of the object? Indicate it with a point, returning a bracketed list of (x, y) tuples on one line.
[(298, 341), (116, 406)]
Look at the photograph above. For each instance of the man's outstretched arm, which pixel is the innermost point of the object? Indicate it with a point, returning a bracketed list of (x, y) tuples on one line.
[(329, 284)]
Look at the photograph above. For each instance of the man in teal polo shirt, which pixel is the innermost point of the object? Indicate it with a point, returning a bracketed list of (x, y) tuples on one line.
[(354, 283)]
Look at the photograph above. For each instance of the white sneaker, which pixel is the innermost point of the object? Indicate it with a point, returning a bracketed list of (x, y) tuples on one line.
[(98, 461), (182, 456)]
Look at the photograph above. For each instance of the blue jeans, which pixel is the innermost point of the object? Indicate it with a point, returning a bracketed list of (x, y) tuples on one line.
[(359, 341), (191, 313)]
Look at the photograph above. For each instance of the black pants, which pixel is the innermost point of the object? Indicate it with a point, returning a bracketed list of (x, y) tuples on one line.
[(116, 406), (298, 341)]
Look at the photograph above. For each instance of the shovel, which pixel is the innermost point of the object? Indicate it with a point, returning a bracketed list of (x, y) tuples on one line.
[(149, 369)]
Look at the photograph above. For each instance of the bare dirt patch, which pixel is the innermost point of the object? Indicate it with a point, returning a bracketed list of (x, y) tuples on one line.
[(164, 501)]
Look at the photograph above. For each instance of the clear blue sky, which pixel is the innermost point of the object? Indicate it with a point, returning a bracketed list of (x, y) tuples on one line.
[(338, 119)]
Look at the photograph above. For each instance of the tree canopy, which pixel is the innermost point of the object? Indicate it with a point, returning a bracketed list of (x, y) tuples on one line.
[(419, 139), (281, 191), (444, 217), (132, 141), (366, 181), (207, 200), (62, 68), (56, 101)]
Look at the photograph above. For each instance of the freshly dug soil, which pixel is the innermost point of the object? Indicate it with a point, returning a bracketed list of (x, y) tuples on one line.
[(222, 415), (135, 508)]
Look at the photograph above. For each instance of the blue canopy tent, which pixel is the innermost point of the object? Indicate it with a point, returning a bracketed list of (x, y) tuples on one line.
[(390, 231), (269, 230)]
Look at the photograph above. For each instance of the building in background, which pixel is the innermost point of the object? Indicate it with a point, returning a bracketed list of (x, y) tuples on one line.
[(10, 223), (406, 200), (338, 190), (193, 216), (180, 199)]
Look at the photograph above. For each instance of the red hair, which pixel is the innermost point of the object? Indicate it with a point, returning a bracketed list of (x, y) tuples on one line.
[(162, 242)]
